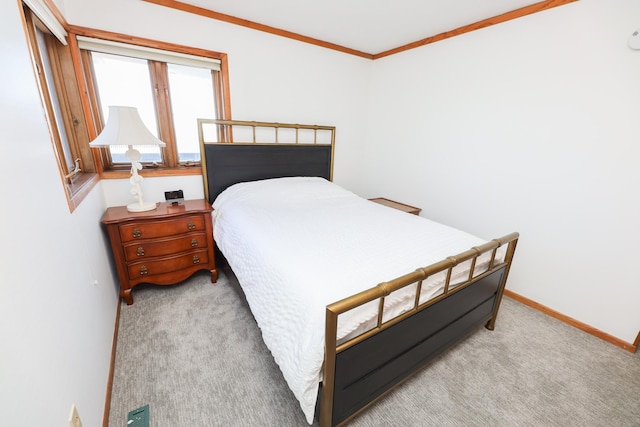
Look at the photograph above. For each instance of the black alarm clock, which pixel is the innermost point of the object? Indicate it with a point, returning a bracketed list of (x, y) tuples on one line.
[(174, 197)]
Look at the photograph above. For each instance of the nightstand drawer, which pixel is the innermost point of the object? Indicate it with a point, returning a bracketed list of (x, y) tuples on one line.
[(160, 247), (147, 269), (155, 229)]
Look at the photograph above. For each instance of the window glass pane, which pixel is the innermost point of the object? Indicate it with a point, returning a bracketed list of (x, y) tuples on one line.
[(126, 81), (55, 103), (192, 98)]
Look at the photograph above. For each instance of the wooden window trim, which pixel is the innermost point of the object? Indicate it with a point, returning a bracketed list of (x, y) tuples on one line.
[(76, 187), (92, 110), (166, 132)]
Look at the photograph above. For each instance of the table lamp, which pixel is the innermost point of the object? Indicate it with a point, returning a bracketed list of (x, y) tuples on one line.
[(124, 127)]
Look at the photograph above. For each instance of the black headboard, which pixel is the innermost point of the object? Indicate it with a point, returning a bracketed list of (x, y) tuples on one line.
[(225, 164)]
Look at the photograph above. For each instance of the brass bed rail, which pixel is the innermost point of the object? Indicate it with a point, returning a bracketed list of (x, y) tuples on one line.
[(224, 130), (384, 289)]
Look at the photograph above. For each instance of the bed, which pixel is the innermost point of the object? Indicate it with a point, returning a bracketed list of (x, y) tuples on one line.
[(351, 297)]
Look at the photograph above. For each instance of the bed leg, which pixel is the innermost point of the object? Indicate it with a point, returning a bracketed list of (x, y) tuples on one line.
[(491, 324), (508, 258), (329, 369)]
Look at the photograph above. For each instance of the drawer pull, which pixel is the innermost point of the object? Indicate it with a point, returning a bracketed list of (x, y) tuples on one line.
[(191, 225), (144, 270), (194, 243), (136, 232), (140, 251), (196, 260)]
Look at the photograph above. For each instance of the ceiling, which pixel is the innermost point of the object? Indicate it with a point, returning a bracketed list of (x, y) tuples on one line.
[(370, 26)]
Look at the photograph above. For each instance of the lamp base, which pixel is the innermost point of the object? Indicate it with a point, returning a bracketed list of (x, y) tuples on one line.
[(141, 207)]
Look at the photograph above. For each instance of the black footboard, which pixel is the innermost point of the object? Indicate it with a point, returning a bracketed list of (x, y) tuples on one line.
[(367, 370)]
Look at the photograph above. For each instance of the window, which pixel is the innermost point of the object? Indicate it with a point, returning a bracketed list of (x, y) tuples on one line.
[(171, 90), (61, 100), (81, 71), (121, 80)]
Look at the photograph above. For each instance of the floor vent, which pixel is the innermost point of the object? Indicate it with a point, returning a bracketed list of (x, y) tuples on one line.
[(139, 417)]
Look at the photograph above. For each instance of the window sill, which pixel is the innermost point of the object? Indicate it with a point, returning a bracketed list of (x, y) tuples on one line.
[(151, 172), (78, 190)]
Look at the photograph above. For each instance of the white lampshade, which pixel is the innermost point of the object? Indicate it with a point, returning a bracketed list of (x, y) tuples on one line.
[(124, 127)]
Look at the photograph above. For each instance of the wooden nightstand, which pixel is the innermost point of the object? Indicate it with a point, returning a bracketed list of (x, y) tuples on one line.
[(163, 246), (397, 205)]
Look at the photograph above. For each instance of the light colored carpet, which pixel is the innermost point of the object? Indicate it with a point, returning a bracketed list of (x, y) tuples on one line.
[(194, 353)]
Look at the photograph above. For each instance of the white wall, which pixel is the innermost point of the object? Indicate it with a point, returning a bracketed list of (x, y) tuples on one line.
[(56, 322), (530, 126), (271, 79)]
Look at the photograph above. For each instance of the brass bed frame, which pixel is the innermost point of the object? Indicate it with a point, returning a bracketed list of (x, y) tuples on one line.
[(359, 371)]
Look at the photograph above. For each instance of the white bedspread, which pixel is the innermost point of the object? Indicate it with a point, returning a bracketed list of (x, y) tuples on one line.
[(299, 244)]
